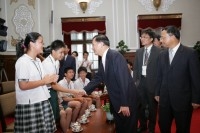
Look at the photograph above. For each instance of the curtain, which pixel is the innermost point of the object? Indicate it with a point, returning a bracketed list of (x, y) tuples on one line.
[(159, 20)]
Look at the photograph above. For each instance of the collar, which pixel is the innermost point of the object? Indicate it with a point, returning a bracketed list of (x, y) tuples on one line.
[(27, 56), (148, 48), (52, 59), (104, 55), (176, 47)]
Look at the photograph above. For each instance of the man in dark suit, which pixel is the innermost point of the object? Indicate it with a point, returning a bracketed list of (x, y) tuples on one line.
[(178, 82), (145, 67), (113, 71), (68, 61)]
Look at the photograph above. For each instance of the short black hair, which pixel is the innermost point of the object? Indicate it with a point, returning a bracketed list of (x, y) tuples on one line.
[(67, 69), (57, 44), (82, 69), (102, 38), (173, 31), (75, 53), (85, 52), (157, 36), (149, 32)]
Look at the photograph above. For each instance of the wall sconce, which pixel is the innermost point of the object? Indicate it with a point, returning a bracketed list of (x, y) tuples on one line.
[(83, 6), (156, 4)]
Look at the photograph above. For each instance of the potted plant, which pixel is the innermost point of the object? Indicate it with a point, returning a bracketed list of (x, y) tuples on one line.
[(106, 108), (122, 47), (197, 47)]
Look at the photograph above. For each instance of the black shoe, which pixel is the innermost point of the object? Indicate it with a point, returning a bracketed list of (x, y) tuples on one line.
[(141, 129)]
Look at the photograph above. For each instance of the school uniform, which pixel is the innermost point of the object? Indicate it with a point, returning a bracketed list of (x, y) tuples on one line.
[(79, 84), (65, 84), (51, 66), (27, 119)]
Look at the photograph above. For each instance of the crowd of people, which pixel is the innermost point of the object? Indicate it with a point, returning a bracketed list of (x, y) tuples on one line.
[(163, 80)]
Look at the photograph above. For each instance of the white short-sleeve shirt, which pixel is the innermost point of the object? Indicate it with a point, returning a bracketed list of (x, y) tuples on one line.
[(79, 84), (86, 64), (65, 84), (28, 69), (51, 66)]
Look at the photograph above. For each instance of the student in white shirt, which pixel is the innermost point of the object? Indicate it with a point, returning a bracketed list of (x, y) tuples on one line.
[(31, 90), (51, 66), (86, 63), (77, 103), (82, 81)]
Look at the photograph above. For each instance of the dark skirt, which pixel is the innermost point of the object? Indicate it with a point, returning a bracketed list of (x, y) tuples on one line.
[(34, 118)]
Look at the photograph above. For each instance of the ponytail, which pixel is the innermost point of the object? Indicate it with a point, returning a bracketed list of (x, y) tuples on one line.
[(23, 46), (20, 48)]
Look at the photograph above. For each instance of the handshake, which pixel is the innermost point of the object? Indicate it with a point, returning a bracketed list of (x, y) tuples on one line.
[(78, 92)]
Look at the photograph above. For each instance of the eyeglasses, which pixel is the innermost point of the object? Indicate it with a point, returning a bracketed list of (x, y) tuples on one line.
[(144, 37)]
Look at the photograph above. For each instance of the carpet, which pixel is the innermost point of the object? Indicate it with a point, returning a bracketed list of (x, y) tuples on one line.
[(195, 124)]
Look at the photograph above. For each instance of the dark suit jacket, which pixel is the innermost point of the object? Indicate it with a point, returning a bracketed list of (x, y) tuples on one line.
[(118, 80), (69, 62), (178, 84), (151, 67)]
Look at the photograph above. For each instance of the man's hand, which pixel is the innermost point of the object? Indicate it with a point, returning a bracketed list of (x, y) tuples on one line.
[(157, 98), (79, 93), (124, 110), (195, 106)]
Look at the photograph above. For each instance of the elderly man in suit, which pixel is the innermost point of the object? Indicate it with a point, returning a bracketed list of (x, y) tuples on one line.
[(178, 82), (68, 61), (113, 71), (145, 67)]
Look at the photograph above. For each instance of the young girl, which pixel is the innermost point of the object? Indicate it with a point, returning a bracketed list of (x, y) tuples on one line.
[(33, 111)]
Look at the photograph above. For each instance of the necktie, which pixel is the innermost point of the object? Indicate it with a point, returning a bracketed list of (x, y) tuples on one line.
[(170, 55), (146, 56)]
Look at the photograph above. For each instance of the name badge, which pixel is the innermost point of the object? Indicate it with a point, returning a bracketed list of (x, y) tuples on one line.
[(144, 68)]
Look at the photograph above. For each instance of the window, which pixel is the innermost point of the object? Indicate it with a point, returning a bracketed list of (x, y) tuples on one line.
[(81, 42)]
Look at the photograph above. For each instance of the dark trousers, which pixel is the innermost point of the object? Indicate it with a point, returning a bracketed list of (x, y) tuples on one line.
[(182, 120), (147, 106), (54, 104), (126, 124)]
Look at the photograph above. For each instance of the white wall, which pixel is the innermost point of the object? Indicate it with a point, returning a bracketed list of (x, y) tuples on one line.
[(121, 19)]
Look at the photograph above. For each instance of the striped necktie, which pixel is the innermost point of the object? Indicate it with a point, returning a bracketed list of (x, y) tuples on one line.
[(146, 57)]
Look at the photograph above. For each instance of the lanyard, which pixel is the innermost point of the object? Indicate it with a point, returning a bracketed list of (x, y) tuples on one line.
[(54, 65), (38, 68)]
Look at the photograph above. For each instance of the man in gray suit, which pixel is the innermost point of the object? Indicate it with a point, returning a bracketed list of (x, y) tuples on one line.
[(178, 82), (145, 67)]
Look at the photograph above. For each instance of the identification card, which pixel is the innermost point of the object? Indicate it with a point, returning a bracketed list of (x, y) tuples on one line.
[(144, 68)]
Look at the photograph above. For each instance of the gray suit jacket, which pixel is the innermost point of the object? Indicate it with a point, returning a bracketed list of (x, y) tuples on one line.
[(151, 67)]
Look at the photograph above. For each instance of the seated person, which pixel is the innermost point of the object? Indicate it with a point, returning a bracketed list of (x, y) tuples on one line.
[(82, 81), (65, 118), (130, 67), (77, 103)]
